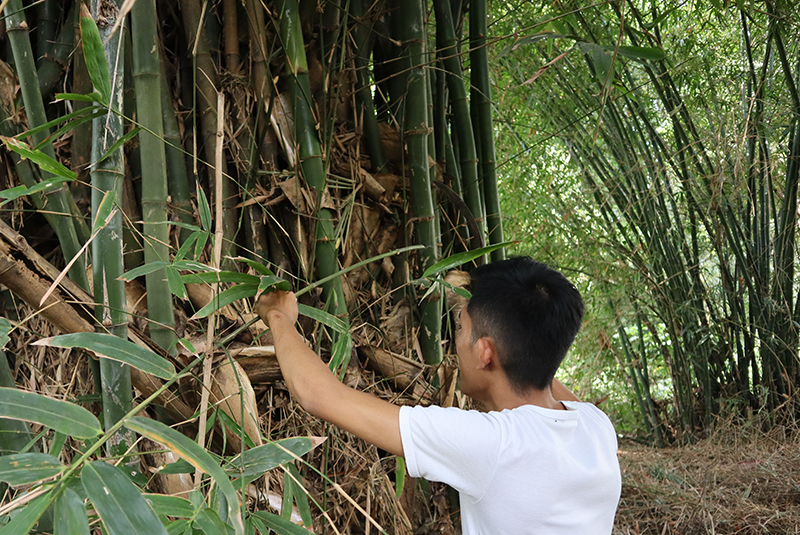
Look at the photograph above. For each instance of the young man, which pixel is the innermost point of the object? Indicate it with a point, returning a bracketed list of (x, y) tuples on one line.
[(539, 461)]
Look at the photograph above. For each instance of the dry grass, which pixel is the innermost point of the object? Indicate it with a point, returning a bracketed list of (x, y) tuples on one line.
[(739, 481)]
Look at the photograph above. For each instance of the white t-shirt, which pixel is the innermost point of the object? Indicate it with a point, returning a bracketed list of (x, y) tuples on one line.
[(528, 470)]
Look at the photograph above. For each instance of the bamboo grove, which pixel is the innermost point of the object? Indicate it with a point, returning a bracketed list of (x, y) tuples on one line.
[(687, 164), (290, 140)]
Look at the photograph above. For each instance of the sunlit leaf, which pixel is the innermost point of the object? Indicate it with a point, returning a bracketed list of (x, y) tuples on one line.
[(91, 97), (104, 210), (641, 52), (119, 143), (323, 317), (210, 277), (118, 501), (258, 460), (150, 267), (280, 525), (175, 282), (115, 348), (271, 283), (62, 416)]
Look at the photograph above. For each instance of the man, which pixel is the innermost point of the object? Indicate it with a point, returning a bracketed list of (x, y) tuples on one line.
[(539, 461)]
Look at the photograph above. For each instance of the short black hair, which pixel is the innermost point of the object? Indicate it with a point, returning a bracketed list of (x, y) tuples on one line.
[(533, 314)]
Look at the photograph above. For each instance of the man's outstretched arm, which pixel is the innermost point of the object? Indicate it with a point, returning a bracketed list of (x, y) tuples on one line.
[(317, 390)]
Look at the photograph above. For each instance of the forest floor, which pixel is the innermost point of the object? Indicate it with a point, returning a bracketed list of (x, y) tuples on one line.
[(738, 481)]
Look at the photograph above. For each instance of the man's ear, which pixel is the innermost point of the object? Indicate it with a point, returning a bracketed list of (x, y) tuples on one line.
[(487, 352)]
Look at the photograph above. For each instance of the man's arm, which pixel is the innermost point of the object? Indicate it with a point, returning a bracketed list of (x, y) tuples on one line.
[(562, 393), (317, 390)]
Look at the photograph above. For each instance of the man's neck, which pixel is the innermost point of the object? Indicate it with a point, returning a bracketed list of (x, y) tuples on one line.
[(506, 397)]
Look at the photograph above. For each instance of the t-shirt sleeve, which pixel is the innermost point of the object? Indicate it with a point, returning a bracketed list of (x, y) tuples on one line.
[(451, 446)]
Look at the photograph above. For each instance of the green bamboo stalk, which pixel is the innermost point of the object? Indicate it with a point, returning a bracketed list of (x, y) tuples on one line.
[(481, 102), (310, 154), (148, 82), (177, 176), (54, 63), (107, 177), (47, 12), (365, 109), (59, 203), (81, 150), (461, 117), (415, 135)]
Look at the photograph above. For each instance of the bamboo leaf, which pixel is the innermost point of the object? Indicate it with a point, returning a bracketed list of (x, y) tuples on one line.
[(115, 348), (178, 467), (45, 162), (205, 209), (175, 281), (70, 515), (270, 283), (174, 506), (62, 416), (180, 527), (240, 291), (280, 525), (118, 501), (5, 328), (91, 97), (194, 454), (640, 52), (84, 112), (119, 142), (399, 476), (186, 246), (210, 523), (21, 191), (24, 520), (151, 267), (258, 460), (300, 497), (261, 268), (211, 277), (95, 56), (461, 258), (105, 211), (191, 264), (323, 317), (27, 468)]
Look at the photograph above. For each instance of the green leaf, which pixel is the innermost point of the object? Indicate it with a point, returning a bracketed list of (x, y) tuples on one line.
[(323, 317), (91, 97), (118, 143), (240, 291), (118, 501), (45, 162), (24, 520), (192, 264), (173, 506), (399, 476), (180, 527), (146, 269), (84, 112), (341, 353), (231, 425), (186, 246), (210, 277), (640, 52), (300, 497), (263, 458), (210, 523), (205, 209), (175, 282), (261, 268), (92, 114), (270, 283), (456, 260), (62, 416), (70, 515), (279, 525), (95, 56), (5, 328), (104, 210), (178, 467), (27, 468), (197, 456), (20, 191), (115, 348)]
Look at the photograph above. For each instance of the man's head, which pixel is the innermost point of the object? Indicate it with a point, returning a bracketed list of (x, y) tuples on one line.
[(532, 313)]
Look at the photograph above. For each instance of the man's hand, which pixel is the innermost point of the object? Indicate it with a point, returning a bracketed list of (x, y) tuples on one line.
[(277, 302)]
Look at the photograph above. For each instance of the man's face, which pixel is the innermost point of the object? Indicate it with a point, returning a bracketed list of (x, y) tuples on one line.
[(467, 354)]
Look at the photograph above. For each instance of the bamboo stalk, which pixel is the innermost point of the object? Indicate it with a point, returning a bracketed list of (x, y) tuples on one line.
[(481, 103), (416, 134), (148, 82), (59, 212), (310, 154), (109, 289)]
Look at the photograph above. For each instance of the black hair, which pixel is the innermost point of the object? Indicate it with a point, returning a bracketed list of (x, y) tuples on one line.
[(533, 314)]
